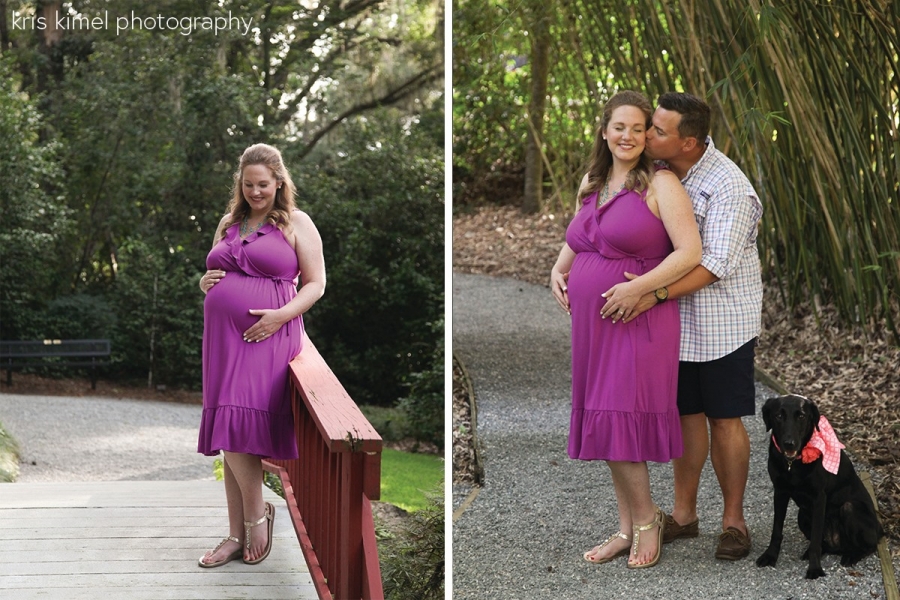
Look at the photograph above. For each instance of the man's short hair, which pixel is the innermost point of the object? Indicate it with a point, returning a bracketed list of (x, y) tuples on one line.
[(694, 114)]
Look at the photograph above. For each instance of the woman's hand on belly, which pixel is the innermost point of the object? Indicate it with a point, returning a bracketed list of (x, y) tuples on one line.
[(270, 321), (210, 278), (559, 287)]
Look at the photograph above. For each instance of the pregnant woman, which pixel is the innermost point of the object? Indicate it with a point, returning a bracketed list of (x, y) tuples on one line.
[(638, 221), (252, 329)]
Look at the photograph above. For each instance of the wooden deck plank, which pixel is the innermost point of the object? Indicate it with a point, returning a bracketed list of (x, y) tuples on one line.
[(155, 589), (204, 592), (162, 552), (112, 562), (62, 517), (135, 539)]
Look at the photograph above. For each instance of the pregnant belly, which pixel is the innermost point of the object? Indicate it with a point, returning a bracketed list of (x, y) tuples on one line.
[(592, 275), (232, 298)]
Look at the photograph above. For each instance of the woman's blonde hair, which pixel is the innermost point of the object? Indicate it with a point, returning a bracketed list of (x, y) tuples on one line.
[(638, 178), (269, 157)]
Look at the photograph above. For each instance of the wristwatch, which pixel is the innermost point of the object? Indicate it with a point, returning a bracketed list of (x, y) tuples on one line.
[(662, 294)]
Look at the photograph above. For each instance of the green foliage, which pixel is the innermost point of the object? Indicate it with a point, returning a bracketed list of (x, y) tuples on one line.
[(391, 423), (159, 334), (412, 563), (273, 482), (489, 91), (405, 477), (424, 404), (377, 200), (78, 316), (270, 480), (119, 151), (34, 216), (491, 87), (804, 100), (9, 457)]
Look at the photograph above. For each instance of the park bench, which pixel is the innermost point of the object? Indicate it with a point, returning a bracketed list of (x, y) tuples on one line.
[(54, 353)]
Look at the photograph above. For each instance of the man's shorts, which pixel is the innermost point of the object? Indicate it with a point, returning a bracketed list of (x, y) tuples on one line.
[(721, 388)]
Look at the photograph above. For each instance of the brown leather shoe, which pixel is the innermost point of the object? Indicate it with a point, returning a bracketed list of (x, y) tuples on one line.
[(674, 531), (734, 544)]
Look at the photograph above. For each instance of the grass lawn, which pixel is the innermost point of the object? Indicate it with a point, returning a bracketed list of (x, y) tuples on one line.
[(406, 477)]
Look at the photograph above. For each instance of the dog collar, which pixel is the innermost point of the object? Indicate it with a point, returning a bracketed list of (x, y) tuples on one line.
[(790, 461), (823, 444)]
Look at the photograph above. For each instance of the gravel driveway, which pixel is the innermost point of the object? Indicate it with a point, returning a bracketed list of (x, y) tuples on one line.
[(523, 535), (101, 439)]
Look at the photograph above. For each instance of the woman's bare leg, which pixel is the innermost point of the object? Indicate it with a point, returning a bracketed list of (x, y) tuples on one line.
[(632, 482), (248, 475), (235, 517)]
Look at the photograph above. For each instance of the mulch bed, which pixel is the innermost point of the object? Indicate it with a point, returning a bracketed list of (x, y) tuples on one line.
[(466, 466), (852, 377), (30, 384)]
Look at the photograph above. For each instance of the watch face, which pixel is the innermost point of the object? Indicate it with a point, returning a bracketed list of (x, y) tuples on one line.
[(661, 294)]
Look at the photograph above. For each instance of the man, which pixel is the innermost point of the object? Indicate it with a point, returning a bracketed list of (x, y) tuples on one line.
[(720, 302)]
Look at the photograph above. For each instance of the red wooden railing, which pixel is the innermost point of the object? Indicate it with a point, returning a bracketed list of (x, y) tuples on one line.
[(329, 487)]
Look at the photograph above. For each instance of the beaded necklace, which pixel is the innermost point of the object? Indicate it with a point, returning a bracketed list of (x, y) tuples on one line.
[(605, 196), (247, 230)]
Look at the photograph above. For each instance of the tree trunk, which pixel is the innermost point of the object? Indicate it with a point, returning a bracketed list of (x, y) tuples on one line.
[(540, 65), (4, 28)]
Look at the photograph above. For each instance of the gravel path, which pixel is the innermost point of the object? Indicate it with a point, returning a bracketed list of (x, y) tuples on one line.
[(102, 439), (523, 535)]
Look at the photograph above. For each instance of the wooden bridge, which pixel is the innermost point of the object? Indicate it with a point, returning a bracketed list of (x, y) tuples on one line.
[(142, 539), (134, 539)]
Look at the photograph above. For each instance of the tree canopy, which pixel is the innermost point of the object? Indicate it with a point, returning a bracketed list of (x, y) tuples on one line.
[(123, 122)]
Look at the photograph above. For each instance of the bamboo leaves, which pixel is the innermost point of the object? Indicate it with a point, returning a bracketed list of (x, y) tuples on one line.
[(806, 99)]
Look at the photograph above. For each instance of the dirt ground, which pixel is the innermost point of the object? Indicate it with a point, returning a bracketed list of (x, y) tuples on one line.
[(26, 383), (853, 379)]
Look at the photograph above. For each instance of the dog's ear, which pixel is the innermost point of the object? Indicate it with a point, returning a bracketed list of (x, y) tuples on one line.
[(768, 408), (813, 411)]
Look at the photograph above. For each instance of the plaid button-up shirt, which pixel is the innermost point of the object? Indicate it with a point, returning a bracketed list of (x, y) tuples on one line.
[(725, 315)]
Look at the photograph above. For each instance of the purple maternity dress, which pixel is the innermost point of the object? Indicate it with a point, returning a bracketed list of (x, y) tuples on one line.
[(624, 375), (246, 396)]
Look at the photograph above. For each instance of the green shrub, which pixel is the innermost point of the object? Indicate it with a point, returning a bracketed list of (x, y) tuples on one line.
[(80, 316), (270, 480), (377, 200), (9, 457), (35, 220), (424, 404), (159, 332), (391, 423), (412, 561)]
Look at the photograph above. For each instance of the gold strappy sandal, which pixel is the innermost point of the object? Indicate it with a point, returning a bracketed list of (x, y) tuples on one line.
[(657, 520), (268, 516), (236, 554), (607, 542)]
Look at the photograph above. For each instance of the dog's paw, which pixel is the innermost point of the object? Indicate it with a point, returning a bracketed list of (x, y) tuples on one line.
[(848, 560), (814, 573), (766, 560)]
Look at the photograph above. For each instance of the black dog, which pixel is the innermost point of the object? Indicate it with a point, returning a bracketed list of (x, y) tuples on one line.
[(836, 513)]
